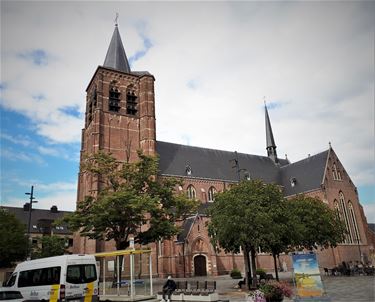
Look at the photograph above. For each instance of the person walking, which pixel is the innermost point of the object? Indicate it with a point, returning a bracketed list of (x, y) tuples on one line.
[(168, 288)]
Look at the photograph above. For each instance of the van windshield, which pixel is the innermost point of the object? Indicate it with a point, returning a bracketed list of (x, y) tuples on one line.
[(82, 273)]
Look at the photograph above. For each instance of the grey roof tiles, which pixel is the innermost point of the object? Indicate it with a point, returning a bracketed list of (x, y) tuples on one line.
[(116, 56), (218, 165)]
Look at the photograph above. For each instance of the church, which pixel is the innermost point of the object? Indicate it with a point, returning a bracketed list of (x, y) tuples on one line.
[(120, 119)]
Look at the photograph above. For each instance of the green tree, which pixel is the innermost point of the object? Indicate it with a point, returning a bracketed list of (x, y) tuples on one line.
[(302, 223), (315, 225), (50, 246), (130, 198), (241, 217), (13, 241)]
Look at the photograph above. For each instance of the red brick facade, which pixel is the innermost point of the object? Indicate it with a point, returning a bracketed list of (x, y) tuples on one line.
[(123, 133)]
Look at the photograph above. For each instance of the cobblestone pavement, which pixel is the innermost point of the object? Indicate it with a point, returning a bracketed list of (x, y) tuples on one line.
[(338, 288)]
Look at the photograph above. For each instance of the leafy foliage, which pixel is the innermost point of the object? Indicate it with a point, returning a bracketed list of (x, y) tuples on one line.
[(254, 214), (50, 246), (315, 225), (13, 241), (235, 274), (242, 217), (131, 202)]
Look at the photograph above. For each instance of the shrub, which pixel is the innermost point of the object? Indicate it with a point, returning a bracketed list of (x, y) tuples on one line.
[(274, 289), (262, 273), (235, 273)]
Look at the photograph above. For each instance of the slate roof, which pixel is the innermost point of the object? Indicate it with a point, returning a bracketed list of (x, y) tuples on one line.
[(39, 218), (308, 174), (116, 56), (372, 227), (214, 164), (186, 227), (218, 165)]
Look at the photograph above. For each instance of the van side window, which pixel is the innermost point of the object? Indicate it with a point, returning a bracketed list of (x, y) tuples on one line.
[(83, 273), (11, 280), (41, 276)]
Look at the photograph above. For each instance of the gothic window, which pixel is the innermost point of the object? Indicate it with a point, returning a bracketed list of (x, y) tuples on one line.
[(91, 106), (114, 99), (191, 193), (354, 223), (334, 172), (211, 194), (344, 212), (131, 103)]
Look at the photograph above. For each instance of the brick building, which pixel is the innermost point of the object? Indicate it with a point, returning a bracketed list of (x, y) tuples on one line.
[(120, 118)]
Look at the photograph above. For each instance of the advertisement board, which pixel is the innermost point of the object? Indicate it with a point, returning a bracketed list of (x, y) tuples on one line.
[(307, 275)]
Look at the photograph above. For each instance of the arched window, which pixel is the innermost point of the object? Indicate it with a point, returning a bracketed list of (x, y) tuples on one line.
[(131, 103), (357, 236), (344, 211), (191, 193), (211, 194), (334, 172), (337, 208), (114, 99)]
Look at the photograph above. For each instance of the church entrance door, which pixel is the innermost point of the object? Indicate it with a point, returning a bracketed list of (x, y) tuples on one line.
[(200, 268)]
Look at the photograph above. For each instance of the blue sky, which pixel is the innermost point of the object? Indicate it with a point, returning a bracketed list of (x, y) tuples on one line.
[(213, 63)]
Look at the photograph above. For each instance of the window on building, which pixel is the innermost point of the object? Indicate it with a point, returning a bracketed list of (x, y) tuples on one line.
[(114, 99), (344, 211), (160, 248), (354, 223), (211, 194), (334, 172), (131, 103), (191, 193)]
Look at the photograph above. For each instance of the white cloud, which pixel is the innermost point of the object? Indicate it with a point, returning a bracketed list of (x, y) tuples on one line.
[(231, 54), (13, 155)]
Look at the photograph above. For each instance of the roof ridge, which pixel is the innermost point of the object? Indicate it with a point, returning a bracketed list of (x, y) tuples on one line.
[(306, 158), (205, 148)]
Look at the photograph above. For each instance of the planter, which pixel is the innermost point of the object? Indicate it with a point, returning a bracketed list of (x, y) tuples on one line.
[(275, 299)]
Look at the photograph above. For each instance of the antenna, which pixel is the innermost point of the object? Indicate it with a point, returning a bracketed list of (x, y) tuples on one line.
[(264, 100)]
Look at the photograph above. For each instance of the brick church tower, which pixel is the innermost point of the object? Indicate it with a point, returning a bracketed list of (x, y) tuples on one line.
[(120, 119)]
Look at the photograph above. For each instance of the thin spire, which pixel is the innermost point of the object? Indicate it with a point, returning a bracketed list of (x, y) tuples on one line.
[(116, 56), (270, 142)]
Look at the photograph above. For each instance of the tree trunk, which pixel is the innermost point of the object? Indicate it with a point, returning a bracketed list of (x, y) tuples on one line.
[(275, 264), (246, 252), (253, 267)]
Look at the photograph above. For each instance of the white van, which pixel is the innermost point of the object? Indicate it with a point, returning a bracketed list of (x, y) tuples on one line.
[(70, 278)]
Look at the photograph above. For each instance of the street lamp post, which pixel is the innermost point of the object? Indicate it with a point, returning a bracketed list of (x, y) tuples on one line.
[(31, 193)]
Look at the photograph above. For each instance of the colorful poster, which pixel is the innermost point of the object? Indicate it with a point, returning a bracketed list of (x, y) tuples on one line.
[(307, 275)]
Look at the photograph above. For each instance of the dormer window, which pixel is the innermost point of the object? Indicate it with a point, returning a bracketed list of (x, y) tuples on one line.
[(114, 99), (293, 181), (131, 103), (188, 170)]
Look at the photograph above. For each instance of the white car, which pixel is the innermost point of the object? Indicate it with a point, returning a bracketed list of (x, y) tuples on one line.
[(7, 294)]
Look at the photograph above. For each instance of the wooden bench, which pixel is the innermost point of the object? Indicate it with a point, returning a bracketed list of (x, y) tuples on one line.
[(194, 291)]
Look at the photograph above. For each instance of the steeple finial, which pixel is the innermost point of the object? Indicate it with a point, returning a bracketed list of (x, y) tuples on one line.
[(116, 20), (270, 142), (116, 56)]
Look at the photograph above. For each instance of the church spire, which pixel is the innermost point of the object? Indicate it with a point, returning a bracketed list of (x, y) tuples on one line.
[(271, 146), (116, 57)]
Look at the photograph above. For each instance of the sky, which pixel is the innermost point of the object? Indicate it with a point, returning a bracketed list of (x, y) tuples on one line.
[(214, 64)]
